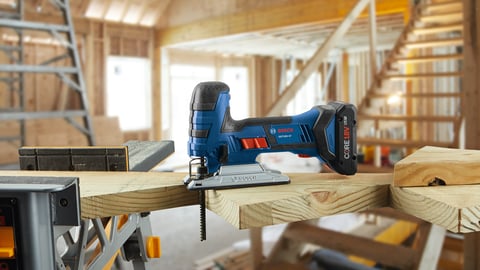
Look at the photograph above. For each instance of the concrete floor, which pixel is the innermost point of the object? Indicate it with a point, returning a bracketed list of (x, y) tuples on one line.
[(179, 231)]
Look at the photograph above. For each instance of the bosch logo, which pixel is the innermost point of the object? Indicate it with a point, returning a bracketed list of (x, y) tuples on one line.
[(285, 130)]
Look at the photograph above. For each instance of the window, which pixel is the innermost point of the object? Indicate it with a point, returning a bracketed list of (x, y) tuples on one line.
[(183, 79), (129, 91)]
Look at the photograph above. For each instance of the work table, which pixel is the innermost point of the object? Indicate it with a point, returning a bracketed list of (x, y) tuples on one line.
[(308, 196)]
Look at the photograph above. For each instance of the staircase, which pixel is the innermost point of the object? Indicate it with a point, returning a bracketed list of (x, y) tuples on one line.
[(416, 98)]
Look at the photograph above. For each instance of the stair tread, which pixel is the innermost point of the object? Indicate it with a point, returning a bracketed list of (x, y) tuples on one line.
[(400, 117), (401, 143), (433, 43), (417, 95), (428, 58), (422, 75), (433, 7), (434, 29), (443, 17)]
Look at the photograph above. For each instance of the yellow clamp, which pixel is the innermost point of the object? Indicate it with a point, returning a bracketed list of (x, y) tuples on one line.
[(153, 247)]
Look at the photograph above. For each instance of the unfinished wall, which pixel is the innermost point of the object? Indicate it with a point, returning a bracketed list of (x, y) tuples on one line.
[(46, 92)]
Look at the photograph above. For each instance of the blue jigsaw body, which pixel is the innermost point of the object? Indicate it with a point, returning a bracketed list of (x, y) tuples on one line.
[(326, 132)]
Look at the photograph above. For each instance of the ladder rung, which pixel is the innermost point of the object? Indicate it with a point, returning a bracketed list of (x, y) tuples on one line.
[(401, 143), (418, 95), (433, 43), (421, 75), (37, 69), (40, 115), (429, 58), (416, 118), (33, 25), (437, 29)]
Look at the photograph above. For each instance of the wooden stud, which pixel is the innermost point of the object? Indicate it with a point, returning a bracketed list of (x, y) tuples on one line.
[(345, 76), (256, 248), (156, 79)]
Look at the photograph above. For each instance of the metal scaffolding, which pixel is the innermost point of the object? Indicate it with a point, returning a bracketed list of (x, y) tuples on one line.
[(12, 74)]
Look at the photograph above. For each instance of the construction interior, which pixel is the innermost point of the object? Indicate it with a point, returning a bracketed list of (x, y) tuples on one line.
[(102, 73)]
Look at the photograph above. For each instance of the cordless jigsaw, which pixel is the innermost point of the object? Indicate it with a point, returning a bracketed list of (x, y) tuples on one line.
[(224, 150)]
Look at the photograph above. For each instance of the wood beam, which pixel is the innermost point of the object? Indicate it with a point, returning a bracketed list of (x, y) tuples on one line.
[(125, 10), (452, 207), (291, 13), (308, 196), (314, 62), (83, 7)]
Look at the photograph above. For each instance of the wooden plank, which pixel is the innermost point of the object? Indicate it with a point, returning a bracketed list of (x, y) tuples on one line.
[(105, 194), (456, 208), (308, 196), (453, 166)]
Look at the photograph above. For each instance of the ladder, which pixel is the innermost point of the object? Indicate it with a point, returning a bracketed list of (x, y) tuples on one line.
[(12, 74), (424, 71)]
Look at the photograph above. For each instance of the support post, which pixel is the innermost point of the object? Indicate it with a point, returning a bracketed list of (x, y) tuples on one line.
[(471, 69)]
